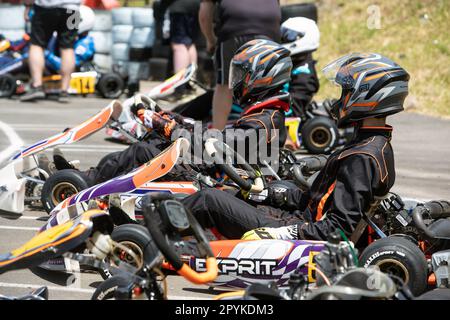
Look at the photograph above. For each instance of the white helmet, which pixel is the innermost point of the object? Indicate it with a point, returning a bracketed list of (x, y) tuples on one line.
[(300, 35), (87, 19)]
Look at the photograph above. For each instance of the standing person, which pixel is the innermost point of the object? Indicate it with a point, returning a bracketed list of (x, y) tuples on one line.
[(50, 16), (183, 30), (238, 22)]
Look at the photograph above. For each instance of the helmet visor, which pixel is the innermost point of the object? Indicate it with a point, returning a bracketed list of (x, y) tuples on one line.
[(338, 71), (237, 73)]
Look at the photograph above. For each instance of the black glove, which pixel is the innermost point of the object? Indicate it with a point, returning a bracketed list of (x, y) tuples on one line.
[(274, 196)]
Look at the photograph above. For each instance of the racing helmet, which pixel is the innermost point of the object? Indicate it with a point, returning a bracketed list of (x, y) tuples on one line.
[(371, 86), (258, 69), (300, 35), (87, 19)]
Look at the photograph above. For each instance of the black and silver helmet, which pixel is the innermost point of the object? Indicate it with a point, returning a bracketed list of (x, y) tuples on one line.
[(372, 86), (258, 69)]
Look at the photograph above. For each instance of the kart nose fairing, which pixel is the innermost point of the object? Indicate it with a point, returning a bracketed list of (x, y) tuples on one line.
[(53, 242)]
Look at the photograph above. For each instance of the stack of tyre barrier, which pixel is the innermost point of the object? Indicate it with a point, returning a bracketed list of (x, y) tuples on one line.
[(12, 24), (133, 37), (103, 39)]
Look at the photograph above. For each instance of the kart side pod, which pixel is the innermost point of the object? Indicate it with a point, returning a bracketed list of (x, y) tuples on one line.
[(12, 188), (243, 262)]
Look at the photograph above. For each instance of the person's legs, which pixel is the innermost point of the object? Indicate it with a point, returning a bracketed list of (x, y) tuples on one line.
[(66, 40), (36, 62), (67, 67), (231, 216), (192, 54), (181, 56), (222, 101)]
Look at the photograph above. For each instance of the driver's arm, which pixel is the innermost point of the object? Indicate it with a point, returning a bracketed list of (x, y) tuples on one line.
[(357, 182)]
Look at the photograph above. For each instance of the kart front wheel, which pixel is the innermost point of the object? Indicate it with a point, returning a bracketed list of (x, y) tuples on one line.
[(136, 238), (7, 86), (61, 186), (400, 257), (319, 135), (111, 86)]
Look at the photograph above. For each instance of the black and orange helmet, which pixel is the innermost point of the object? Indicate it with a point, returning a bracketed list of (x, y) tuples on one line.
[(259, 69), (372, 86)]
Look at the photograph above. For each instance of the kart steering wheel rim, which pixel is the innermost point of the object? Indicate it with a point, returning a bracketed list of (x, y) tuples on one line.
[(215, 149), (151, 216)]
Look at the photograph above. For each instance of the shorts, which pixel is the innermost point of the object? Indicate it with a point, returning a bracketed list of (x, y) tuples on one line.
[(45, 21), (184, 28), (225, 52)]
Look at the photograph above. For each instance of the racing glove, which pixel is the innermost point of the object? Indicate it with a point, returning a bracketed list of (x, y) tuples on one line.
[(281, 233), (274, 196), (160, 123)]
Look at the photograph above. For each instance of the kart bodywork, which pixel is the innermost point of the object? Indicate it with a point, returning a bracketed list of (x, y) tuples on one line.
[(55, 241), (23, 169), (129, 188), (244, 262)]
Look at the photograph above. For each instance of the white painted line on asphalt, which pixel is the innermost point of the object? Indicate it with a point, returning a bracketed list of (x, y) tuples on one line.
[(81, 290), (19, 228), (15, 141), (20, 218), (52, 288)]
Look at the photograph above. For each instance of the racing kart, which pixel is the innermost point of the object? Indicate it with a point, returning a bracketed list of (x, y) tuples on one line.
[(23, 175), (88, 79), (315, 129), (86, 239)]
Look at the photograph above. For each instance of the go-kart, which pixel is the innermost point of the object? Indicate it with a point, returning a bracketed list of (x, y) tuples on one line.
[(315, 129), (87, 79), (86, 239), (22, 176)]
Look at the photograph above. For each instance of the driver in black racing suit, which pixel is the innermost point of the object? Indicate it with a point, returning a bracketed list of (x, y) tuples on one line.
[(260, 66), (373, 87)]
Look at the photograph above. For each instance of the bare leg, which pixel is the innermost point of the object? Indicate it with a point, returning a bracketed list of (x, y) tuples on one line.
[(192, 53), (37, 64), (222, 101), (180, 56), (67, 67)]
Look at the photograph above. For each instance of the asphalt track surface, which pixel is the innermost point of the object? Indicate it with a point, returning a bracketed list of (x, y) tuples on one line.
[(422, 153)]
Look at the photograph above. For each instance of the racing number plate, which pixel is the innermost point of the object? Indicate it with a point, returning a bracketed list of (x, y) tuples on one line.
[(83, 82)]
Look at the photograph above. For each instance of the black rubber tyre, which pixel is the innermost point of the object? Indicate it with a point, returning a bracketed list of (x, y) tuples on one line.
[(137, 238), (111, 86), (107, 289), (7, 86), (401, 257), (319, 135), (306, 10), (60, 186)]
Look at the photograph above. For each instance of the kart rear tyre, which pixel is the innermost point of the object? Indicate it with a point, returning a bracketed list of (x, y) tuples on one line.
[(137, 238), (110, 86), (60, 186), (7, 86), (319, 135), (401, 257)]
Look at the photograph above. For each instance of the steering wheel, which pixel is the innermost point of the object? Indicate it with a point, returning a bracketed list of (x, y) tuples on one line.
[(217, 149), (173, 219)]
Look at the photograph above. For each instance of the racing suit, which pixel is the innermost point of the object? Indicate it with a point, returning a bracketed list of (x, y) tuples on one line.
[(84, 51), (304, 83), (262, 118), (341, 193)]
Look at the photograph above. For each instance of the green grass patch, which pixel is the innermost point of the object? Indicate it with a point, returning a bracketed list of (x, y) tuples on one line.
[(413, 33)]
